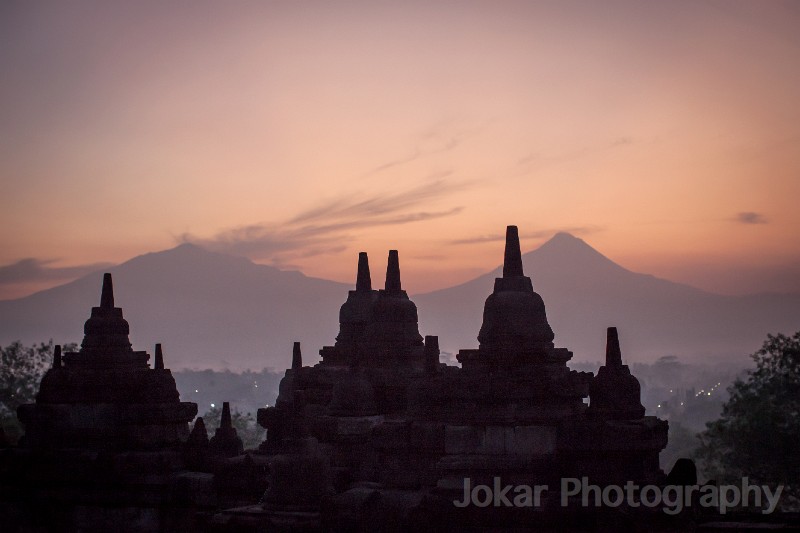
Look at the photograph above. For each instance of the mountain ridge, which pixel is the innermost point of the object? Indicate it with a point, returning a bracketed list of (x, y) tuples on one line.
[(565, 243), (220, 311), (193, 301), (584, 292)]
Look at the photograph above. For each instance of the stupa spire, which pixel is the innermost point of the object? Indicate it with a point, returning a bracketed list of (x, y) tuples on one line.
[(363, 280), (515, 324), (199, 434), (297, 357), (393, 272), (225, 440), (106, 332), (225, 419), (512, 262), (613, 353), (57, 356), (159, 362), (431, 353), (615, 392), (107, 296)]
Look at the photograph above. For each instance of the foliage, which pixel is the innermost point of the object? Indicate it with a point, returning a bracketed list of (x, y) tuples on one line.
[(758, 434), (21, 371), (246, 427)]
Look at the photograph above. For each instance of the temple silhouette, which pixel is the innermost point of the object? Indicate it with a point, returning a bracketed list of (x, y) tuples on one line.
[(379, 435)]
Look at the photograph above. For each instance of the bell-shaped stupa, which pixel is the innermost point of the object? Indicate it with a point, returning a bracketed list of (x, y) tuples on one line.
[(615, 393), (106, 395), (515, 326)]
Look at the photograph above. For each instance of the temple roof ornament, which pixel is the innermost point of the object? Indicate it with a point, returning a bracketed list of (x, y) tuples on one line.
[(514, 318), (363, 280), (615, 393), (106, 331), (106, 396), (226, 441), (376, 327), (297, 357)]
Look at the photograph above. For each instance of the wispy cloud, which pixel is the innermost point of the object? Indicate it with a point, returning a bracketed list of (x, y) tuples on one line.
[(536, 159), (325, 229), (494, 237), (33, 270), (750, 217), (479, 239), (436, 140), (379, 205), (622, 141)]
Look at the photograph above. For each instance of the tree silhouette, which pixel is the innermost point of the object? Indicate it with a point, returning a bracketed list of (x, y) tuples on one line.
[(21, 371), (758, 434)]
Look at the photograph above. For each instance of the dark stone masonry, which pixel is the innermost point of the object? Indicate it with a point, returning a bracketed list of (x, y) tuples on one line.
[(106, 397), (379, 435)]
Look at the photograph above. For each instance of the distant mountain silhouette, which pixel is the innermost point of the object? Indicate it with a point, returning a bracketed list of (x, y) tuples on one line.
[(212, 310), (585, 292), (209, 310)]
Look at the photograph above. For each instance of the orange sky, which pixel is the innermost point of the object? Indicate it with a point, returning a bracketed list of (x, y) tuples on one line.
[(665, 134)]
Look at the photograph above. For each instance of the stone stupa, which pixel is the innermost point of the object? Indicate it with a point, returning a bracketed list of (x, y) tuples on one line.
[(106, 396)]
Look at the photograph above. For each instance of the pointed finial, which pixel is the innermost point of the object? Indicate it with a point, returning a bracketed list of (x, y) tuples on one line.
[(199, 434), (107, 296), (431, 353), (363, 280), (613, 353), (225, 420), (512, 263), (200, 426), (57, 356), (159, 362), (393, 272), (297, 357)]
